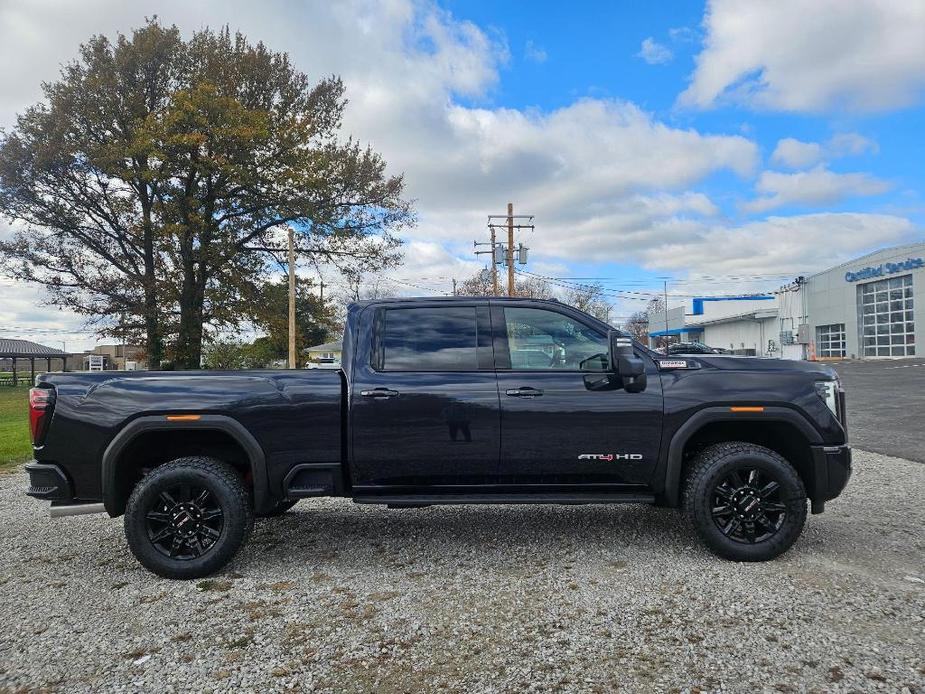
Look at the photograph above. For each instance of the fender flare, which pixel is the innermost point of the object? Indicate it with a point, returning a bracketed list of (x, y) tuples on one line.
[(672, 490), (209, 422)]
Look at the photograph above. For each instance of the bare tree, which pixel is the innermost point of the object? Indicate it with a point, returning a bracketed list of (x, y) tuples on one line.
[(590, 299), (638, 326)]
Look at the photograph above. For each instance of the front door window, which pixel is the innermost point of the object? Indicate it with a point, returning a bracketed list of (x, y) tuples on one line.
[(546, 340)]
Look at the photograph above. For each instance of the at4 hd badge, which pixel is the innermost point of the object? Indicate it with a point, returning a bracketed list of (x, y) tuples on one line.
[(610, 457)]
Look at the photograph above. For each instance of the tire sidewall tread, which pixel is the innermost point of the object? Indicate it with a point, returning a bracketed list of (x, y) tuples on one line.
[(226, 485), (713, 463)]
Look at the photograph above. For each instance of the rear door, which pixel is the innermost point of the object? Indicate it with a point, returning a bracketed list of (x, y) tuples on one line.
[(424, 409), (562, 421)]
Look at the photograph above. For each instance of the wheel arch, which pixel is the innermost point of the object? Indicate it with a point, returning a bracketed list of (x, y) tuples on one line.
[(115, 495), (781, 429)]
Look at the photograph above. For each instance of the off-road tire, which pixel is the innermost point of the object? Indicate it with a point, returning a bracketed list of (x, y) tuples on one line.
[(226, 492), (278, 510), (707, 475)]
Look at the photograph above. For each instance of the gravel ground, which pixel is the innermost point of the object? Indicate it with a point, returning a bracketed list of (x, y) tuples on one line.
[(341, 597)]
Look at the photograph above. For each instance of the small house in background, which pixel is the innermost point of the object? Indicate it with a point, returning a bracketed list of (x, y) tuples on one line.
[(324, 356), (108, 358)]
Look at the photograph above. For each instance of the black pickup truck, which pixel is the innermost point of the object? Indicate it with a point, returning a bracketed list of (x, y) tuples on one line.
[(446, 401)]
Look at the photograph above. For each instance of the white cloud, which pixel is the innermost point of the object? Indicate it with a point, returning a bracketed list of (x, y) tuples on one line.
[(681, 34), (792, 55), (606, 180), (534, 53), (817, 186), (850, 144), (654, 52), (796, 154), (780, 244)]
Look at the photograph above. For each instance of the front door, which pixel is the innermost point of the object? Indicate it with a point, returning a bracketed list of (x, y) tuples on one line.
[(424, 400), (563, 421)]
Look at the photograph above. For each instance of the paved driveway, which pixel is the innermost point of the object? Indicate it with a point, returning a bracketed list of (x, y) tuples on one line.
[(886, 406)]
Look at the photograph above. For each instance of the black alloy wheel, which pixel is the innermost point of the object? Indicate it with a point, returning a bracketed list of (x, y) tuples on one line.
[(188, 518), (746, 502), (185, 522), (747, 505)]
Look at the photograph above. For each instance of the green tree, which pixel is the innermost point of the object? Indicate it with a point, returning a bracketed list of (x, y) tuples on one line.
[(314, 319), (152, 184), (226, 355)]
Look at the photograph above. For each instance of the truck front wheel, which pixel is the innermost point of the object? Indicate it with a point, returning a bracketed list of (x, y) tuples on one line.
[(746, 502), (188, 518)]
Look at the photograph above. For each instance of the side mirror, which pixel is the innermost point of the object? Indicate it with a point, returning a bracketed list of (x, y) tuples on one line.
[(626, 364)]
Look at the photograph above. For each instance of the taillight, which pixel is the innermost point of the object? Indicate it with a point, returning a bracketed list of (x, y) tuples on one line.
[(41, 401)]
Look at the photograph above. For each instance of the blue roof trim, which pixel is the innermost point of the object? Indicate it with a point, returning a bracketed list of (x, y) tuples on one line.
[(674, 331), (698, 302)]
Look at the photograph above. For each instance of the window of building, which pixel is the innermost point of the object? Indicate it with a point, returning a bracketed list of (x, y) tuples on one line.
[(885, 319), (830, 340), (541, 339), (430, 339)]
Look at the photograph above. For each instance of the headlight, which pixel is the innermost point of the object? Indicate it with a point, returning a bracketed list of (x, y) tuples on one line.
[(828, 391)]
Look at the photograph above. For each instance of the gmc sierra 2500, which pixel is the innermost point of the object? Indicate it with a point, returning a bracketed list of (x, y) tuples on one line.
[(446, 401)]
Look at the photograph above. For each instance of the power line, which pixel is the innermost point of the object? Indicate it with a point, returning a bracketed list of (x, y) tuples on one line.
[(49, 331), (628, 293)]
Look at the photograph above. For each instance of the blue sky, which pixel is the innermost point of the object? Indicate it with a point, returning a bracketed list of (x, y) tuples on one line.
[(560, 52), (701, 142)]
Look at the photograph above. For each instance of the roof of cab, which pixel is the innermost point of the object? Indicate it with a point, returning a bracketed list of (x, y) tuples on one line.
[(450, 299)]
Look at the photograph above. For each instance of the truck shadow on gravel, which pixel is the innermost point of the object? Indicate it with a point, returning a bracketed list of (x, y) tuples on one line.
[(353, 538)]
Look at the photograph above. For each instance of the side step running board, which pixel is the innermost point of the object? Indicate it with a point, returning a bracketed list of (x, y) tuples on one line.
[(413, 500)]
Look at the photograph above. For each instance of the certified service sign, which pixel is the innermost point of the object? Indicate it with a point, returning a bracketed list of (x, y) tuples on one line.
[(884, 269)]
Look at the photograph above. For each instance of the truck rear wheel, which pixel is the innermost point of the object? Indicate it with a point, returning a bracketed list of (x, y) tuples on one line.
[(746, 502), (188, 518)]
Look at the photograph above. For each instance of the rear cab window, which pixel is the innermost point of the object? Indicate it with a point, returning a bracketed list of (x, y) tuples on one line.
[(444, 338)]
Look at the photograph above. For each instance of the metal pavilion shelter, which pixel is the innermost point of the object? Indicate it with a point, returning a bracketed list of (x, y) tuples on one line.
[(22, 350)]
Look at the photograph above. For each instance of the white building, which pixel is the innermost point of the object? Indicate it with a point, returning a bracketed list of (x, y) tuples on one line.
[(871, 307)]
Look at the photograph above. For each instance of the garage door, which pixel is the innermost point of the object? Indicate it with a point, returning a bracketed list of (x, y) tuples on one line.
[(885, 317)]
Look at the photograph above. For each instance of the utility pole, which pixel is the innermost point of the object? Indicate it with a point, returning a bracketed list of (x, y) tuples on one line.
[(492, 248), (665, 288), (510, 249), (494, 265), (508, 256), (454, 287), (292, 355)]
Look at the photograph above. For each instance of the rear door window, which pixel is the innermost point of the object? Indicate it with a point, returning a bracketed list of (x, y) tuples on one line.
[(430, 339)]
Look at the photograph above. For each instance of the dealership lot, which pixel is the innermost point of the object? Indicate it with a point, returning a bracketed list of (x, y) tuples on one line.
[(886, 405), (339, 597)]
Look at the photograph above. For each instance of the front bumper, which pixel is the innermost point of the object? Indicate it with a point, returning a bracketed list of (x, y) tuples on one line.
[(830, 473), (48, 482)]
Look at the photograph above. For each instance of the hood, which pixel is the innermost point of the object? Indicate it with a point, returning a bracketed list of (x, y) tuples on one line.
[(733, 363)]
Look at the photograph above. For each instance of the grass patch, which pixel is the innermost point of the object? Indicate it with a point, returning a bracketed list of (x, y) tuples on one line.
[(217, 585), (15, 447)]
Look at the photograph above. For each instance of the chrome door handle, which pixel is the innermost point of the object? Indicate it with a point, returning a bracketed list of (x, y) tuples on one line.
[(380, 393), (523, 392)]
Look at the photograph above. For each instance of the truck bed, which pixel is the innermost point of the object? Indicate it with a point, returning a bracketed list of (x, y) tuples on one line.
[(295, 415)]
